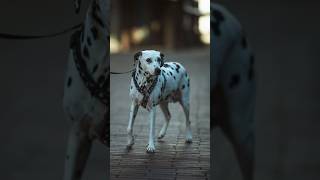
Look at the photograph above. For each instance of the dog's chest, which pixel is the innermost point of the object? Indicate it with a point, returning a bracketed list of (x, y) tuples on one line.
[(166, 89)]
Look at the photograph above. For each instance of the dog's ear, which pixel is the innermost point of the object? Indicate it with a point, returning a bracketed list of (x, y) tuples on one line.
[(136, 57), (162, 59)]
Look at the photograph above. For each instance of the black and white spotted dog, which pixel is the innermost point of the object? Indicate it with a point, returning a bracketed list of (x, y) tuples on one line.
[(233, 85), (86, 91), (157, 83)]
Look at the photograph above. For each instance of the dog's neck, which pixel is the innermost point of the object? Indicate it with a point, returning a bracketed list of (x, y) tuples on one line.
[(142, 80)]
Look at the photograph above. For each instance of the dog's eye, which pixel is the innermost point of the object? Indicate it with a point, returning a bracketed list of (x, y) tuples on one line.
[(148, 60)]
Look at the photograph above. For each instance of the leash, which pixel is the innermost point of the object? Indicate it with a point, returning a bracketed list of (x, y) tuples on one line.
[(25, 37), (123, 72)]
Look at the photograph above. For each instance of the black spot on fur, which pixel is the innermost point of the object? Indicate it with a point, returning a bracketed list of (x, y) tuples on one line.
[(234, 81), (95, 68), (177, 68), (218, 18), (170, 73), (94, 32), (161, 55), (174, 77), (140, 65), (137, 55), (85, 51), (69, 82), (130, 87), (166, 65), (139, 71), (183, 86)]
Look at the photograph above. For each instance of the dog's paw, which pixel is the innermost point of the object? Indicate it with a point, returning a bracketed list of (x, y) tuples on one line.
[(188, 138), (130, 142), (151, 148), (129, 146), (161, 135)]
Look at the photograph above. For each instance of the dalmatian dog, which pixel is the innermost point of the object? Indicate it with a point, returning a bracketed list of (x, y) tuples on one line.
[(155, 83), (86, 90), (233, 85)]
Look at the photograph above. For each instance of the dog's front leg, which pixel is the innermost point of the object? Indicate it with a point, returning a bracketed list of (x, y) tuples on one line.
[(133, 112), (79, 145), (152, 116)]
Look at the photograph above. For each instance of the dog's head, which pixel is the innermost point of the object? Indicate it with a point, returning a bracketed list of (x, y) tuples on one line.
[(149, 62)]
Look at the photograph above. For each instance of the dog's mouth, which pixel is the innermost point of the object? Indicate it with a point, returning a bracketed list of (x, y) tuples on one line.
[(151, 78), (152, 75)]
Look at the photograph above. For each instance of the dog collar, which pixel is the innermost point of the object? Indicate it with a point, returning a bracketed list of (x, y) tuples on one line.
[(143, 90), (98, 90)]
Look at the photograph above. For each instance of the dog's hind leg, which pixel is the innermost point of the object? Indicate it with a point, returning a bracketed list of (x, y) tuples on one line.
[(186, 108), (167, 116), (133, 112), (79, 145)]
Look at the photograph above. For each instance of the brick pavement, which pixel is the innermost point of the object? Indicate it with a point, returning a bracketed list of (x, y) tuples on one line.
[(173, 158)]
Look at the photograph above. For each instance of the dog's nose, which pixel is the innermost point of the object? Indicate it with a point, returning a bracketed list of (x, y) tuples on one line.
[(157, 71)]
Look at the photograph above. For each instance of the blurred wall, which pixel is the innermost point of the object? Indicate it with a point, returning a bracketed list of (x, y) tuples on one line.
[(162, 23), (285, 38)]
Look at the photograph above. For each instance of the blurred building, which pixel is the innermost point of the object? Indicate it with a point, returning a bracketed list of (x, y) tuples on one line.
[(170, 24)]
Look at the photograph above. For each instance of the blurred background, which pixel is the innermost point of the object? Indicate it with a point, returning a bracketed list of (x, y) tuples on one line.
[(34, 128), (169, 24), (285, 39)]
